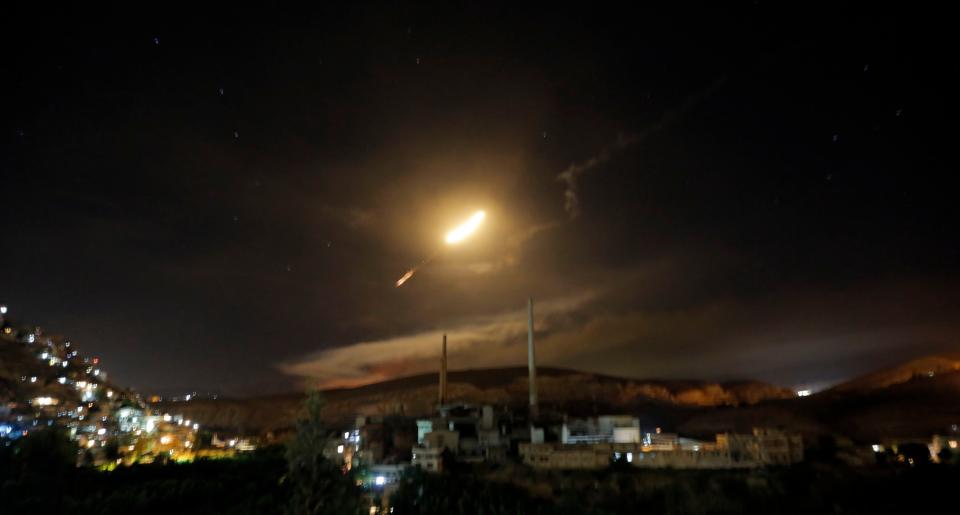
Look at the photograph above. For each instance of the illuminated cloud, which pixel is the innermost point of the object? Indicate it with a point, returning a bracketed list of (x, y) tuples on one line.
[(488, 341), (717, 339)]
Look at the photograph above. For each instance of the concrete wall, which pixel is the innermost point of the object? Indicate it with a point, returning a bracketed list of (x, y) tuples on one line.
[(730, 451)]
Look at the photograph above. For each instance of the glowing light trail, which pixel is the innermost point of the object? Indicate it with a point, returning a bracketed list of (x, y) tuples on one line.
[(406, 277), (456, 235), (465, 229)]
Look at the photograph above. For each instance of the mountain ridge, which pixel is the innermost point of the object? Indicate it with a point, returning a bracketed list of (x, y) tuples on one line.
[(929, 366), (566, 390)]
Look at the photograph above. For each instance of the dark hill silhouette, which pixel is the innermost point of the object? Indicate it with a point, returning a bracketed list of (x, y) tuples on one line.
[(561, 390), (917, 399), (927, 366)]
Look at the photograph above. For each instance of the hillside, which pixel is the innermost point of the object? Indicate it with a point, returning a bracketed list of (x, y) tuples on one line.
[(928, 366), (918, 398), (44, 378), (906, 401), (903, 401), (560, 390), (24, 375)]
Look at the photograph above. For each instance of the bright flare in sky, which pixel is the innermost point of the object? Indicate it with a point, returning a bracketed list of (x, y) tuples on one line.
[(406, 276), (466, 228), (458, 234)]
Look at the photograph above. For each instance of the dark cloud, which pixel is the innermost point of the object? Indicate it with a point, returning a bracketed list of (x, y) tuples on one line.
[(726, 233)]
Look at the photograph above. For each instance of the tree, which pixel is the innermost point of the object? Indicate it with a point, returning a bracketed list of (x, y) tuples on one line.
[(318, 486), (47, 454), (915, 453), (111, 451)]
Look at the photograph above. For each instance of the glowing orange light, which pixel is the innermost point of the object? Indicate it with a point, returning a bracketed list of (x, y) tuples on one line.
[(465, 229), (405, 278)]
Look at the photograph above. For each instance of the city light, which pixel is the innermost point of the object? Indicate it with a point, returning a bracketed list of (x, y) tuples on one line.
[(465, 229), (803, 393), (380, 480), (340, 449), (3, 310)]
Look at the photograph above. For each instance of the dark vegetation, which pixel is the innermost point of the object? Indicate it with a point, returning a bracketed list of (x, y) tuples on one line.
[(38, 476), (798, 490)]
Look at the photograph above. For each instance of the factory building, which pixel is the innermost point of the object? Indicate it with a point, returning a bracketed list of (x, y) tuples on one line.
[(764, 447), (603, 429)]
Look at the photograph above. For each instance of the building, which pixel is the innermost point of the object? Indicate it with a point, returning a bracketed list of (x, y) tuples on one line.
[(443, 439), (428, 459), (130, 419), (424, 426), (603, 429), (660, 441), (598, 456), (764, 447)]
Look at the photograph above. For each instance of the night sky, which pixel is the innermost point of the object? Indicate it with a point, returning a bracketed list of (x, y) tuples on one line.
[(222, 199)]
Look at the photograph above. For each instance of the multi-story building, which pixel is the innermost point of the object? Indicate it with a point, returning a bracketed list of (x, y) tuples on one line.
[(603, 429), (762, 448)]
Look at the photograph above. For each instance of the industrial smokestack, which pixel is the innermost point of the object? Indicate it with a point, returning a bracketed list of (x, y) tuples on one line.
[(443, 373), (532, 363)]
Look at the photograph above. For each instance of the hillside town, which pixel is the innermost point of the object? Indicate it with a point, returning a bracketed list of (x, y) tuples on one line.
[(58, 386), (115, 426)]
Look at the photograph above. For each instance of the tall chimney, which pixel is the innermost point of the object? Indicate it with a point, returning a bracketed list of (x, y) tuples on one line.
[(443, 373), (532, 363)]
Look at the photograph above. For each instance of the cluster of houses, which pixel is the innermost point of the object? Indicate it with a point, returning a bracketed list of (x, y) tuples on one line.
[(65, 389), (481, 434)]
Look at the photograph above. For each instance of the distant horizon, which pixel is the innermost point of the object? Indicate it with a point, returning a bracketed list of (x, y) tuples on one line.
[(813, 387)]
